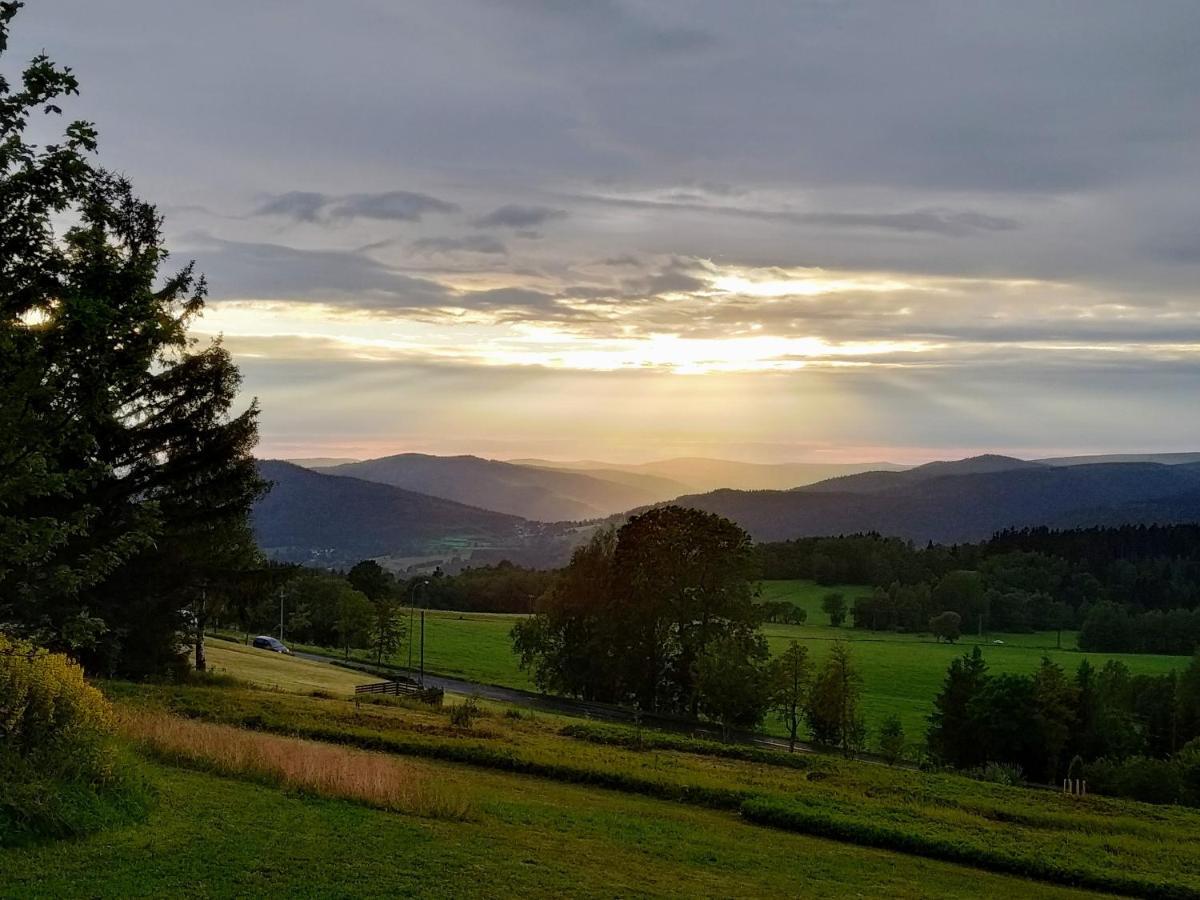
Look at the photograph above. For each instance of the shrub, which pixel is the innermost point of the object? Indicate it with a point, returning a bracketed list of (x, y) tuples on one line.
[(60, 773), (465, 713), (998, 773), (1139, 777), (48, 714)]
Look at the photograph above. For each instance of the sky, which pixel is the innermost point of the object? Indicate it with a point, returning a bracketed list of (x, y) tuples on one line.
[(813, 230)]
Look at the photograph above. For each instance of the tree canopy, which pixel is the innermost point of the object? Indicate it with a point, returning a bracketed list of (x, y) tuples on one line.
[(125, 475), (637, 610)]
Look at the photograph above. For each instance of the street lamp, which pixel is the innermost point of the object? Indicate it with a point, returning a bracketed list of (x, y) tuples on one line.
[(412, 602)]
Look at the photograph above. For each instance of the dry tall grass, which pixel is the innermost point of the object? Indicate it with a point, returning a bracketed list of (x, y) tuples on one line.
[(324, 770)]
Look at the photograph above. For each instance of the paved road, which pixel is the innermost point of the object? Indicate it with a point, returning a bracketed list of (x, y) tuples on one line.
[(562, 705)]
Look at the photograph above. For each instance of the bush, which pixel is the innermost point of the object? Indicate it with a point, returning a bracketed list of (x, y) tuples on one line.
[(1139, 777), (463, 714), (49, 716), (60, 773), (998, 773)]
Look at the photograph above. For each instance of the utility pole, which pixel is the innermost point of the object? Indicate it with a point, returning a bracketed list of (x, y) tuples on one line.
[(422, 647), (281, 617), (412, 603)]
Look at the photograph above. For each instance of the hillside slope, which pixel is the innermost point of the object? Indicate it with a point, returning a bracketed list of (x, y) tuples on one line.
[(311, 517), (970, 507), (703, 474), (545, 495), (885, 480)]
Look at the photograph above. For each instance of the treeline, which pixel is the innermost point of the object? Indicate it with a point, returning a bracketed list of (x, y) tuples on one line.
[(1128, 589), (1128, 735), (364, 607), (502, 588)]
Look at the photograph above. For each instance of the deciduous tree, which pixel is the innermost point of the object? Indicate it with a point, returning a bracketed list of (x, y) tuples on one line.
[(833, 712), (791, 681), (833, 605)]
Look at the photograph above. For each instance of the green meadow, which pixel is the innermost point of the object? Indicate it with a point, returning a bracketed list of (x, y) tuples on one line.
[(902, 673), (557, 806), (220, 837)]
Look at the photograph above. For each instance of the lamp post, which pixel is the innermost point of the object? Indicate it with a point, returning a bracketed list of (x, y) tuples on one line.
[(412, 602)]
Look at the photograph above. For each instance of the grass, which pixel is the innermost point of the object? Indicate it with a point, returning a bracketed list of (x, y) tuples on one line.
[(36, 806), (276, 670), (902, 673), (473, 646), (808, 596), (1101, 842), (322, 770), (216, 837)]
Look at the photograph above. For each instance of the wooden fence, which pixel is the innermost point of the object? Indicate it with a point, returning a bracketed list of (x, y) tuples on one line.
[(402, 687)]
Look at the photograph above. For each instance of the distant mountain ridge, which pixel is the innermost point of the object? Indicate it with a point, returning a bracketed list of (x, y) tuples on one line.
[(318, 462), (964, 505), (310, 517), (881, 481), (545, 495), (698, 474), (333, 517)]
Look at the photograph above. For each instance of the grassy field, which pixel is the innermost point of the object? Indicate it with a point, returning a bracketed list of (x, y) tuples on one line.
[(686, 804), (216, 837), (808, 596), (902, 673), (275, 670)]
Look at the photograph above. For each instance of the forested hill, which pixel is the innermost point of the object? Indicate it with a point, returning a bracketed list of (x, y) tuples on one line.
[(953, 508), (540, 494), (310, 517), (885, 479)]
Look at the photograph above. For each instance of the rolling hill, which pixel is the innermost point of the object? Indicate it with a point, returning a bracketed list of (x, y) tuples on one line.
[(699, 474), (311, 517), (959, 505), (864, 482), (540, 494)]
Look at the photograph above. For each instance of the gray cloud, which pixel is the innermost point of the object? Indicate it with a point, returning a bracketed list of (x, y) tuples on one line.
[(303, 206), (471, 243), (256, 270), (933, 221), (395, 206), (614, 26), (513, 215), (1047, 150)]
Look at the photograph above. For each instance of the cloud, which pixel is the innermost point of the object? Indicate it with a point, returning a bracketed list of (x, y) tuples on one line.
[(613, 26), (303, 206), (257, 270), (396, 206), (948, 222), (471, 243), (1027, 173), (513, 215)]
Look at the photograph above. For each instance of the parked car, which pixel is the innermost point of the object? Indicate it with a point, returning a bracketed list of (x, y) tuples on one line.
[(266, 642)]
